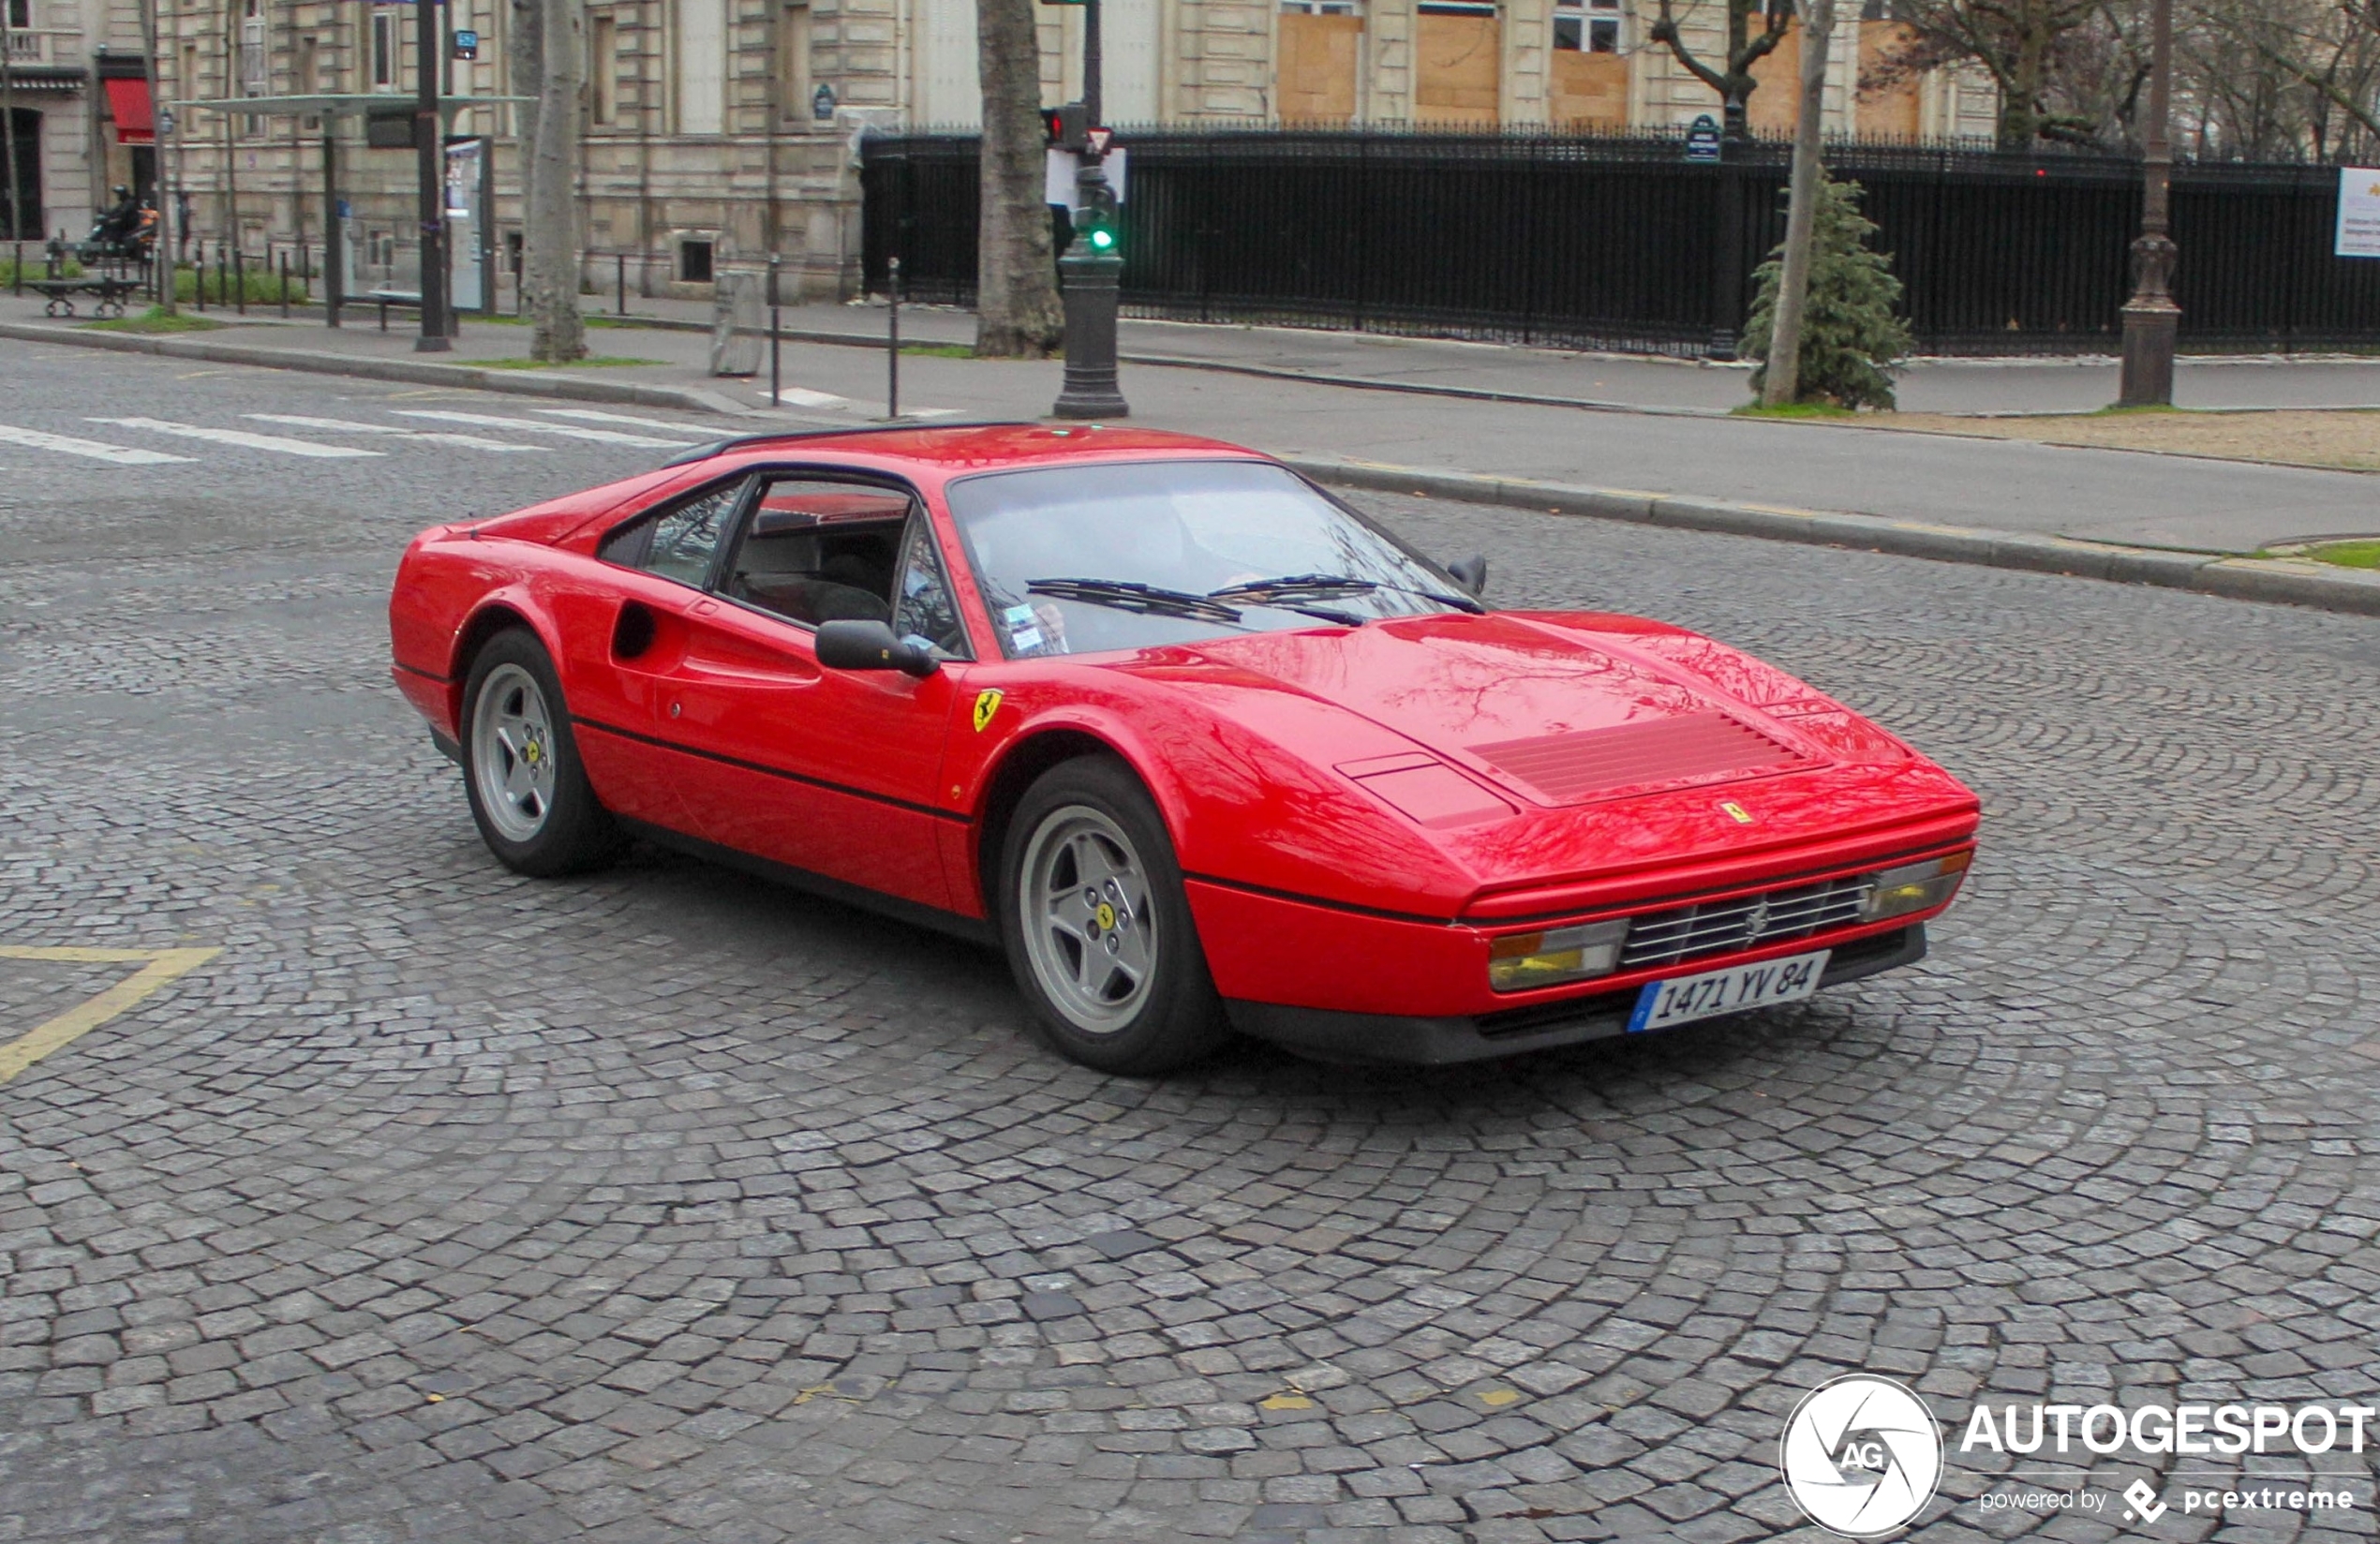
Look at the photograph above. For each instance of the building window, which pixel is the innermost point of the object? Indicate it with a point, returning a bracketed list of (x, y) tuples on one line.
[(383, 51), (1589, 27), (793, 60), (21, 13), (694, 262), (1484, 8), (256, 60), (603, 70), (1320, 7)]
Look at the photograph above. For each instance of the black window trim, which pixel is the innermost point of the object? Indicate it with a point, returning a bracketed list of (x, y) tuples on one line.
[(722, 562)]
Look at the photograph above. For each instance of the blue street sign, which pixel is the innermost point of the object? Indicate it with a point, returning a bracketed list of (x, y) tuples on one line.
[(467, 43), (1702, 139)]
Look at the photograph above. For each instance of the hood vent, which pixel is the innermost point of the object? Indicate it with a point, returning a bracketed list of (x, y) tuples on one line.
[(1592, 763)]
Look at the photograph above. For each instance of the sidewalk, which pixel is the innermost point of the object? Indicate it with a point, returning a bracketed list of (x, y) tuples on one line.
[(2110, 496)]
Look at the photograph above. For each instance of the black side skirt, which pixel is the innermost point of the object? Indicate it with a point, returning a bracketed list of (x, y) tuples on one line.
[(974, 929)]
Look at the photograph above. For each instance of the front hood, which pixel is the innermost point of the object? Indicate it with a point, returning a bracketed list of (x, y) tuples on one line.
[(1538, 710)]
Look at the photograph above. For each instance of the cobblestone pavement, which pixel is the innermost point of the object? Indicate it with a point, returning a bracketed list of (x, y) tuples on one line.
[(654, 1206)]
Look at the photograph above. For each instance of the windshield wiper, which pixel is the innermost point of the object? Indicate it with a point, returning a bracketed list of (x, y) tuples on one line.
[(1325, 586), (1132, 595)]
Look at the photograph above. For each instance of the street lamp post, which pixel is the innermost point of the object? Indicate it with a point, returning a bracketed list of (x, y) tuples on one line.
[(1090, 271), (2151, 317), (429, 161)]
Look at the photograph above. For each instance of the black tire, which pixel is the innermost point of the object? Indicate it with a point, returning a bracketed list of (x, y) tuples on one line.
[(1095, 805), (569, 830)]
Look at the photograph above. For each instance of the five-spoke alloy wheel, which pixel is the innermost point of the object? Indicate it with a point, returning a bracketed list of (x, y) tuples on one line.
[(520, 763), (1098, 927)]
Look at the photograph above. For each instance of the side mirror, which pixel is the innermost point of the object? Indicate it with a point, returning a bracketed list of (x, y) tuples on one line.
[(1471, 574), (870, 645)]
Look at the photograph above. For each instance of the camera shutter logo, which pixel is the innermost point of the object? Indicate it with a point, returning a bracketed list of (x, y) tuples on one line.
[(1861, 1456)]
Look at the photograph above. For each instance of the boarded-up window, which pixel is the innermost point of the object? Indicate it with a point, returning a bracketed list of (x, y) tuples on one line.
[(950, 87), (1458, 63), (1889, 111), (1320, 54), (1775, 106), (1587, 84)]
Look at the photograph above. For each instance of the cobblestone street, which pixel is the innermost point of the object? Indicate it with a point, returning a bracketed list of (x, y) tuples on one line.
[(441, 1204)]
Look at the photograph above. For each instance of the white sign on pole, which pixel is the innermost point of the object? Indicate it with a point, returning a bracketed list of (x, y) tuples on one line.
[(2358, 211), (1058, 176)]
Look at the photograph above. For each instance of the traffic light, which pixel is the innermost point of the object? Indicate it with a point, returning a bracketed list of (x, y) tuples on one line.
[(1067, 125), (1096, 222)]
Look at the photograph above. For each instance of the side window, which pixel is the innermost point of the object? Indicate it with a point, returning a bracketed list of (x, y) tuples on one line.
[(818, 550), (678, 543), (922, 606)]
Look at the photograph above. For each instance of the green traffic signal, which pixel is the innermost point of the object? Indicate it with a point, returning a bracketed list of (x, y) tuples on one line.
[(1101, 238)]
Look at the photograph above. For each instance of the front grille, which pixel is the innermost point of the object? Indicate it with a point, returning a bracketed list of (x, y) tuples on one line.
[(1742, 922)]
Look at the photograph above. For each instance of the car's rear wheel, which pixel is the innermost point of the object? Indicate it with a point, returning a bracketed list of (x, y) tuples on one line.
[(1098, 927), (528, 793)]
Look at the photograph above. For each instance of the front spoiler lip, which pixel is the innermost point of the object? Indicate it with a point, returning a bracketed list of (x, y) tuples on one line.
[(1387, 1039)]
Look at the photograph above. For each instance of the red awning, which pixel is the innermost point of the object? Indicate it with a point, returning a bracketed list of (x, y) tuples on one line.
[(128, 103)]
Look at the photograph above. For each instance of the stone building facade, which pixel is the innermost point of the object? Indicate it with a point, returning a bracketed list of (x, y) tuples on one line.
[(75, 100), (720, 131)]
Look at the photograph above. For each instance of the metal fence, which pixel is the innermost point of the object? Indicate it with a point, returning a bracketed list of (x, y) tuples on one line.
[(1620, 243)]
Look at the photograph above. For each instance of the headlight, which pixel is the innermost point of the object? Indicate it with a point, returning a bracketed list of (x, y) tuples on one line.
[(1916, 886), (1519, 961)]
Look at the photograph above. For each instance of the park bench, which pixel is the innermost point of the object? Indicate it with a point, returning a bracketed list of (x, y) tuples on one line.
[(110, 292), (386, 298)]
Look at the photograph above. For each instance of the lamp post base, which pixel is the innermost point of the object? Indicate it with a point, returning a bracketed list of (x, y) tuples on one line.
[(1090, 390), (428, 344), (2149, 328)]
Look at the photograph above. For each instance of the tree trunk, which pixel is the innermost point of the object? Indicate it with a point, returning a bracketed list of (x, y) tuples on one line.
[(1781, 384), (1017, 310), (551, 230), (525, 60)]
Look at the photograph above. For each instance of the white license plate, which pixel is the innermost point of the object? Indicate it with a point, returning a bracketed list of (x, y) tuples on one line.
[(1683, 998)]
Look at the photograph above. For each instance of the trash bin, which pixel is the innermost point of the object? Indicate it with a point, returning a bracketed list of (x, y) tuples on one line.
[(736, 325)]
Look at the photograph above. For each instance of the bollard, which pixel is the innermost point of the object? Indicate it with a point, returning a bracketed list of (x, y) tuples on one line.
[(285, 286), (222, 276), (892, 355), (240, 278), (197, 276), (16, 267), (776, 378), (621, 301)]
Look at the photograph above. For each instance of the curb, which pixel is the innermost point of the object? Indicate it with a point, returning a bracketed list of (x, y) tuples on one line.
[(2294, 582), (417, 372), (2285, 581)]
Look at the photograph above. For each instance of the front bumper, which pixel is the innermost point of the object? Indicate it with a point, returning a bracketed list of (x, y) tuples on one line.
[(1396, 1038)]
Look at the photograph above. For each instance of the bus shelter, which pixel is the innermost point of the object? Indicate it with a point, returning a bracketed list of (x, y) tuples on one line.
[(469, 201)]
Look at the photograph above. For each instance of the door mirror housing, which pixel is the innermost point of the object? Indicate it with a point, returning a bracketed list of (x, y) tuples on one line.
[(870, 645), (1471, 574)]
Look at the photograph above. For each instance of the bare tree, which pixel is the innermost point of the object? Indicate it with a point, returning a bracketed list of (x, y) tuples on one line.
[(551, 230), (1782, 382), (1017, 309), (2026, 46), (1731, 78)]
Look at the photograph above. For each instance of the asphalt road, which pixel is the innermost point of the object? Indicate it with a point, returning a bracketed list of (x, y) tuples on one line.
[(441, 1204)]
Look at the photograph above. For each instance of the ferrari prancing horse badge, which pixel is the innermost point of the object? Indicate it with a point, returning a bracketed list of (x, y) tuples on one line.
[(987, 704)]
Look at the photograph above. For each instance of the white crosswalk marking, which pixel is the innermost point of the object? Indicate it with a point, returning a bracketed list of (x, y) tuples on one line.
[(595, 415), (275, 444), (122, 455), (608, 436), (802, 396), (433, 437)]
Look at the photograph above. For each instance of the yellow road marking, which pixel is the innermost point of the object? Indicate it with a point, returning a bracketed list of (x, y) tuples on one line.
[(159, 966)]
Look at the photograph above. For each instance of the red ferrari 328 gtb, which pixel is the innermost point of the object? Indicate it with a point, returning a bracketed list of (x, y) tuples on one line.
[(1200, 746)]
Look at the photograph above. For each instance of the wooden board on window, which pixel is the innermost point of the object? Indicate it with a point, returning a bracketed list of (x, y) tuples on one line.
[(1460, 61), (1317, 72), (1891, 111), (1589, 88), (1775, 105)]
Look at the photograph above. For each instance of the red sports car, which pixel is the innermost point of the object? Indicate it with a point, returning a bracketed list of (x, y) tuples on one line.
[(1196, 743)]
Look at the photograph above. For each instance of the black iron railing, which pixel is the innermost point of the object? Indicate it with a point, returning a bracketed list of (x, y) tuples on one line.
[(1619, 242)]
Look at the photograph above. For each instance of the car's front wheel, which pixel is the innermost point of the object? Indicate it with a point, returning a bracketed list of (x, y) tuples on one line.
[(529, 792), (1098, 927)]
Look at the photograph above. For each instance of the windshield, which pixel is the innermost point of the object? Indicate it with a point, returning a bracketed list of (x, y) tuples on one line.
[(1077, 559)]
